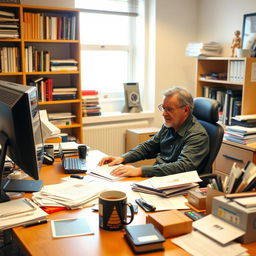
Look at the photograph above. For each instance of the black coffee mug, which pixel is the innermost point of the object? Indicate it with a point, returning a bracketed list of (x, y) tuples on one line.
[(113, 210), (49, 149), (82, 151)]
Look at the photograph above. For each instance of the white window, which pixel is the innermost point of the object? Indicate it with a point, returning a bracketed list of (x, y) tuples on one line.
[(112, 48)]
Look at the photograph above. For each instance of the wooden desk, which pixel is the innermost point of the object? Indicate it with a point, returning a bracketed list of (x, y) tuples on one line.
[(38, 241)]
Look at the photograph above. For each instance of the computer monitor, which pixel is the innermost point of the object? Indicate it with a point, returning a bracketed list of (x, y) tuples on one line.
[(20, 130)]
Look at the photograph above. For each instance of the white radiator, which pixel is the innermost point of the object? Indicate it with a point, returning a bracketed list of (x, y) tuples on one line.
[(109, 138)]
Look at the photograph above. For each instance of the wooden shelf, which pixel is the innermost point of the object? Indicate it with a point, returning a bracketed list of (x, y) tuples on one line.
[(59, 102), (51, 41), (58, 49)]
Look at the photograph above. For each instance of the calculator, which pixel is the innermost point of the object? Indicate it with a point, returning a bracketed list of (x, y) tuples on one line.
[(194, 215)]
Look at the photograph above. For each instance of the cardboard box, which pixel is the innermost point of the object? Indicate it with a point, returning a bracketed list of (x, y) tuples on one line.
[(197, 199), (170, 223), (210, 194)]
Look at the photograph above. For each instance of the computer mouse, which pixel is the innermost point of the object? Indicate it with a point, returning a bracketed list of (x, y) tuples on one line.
[(48, 159)]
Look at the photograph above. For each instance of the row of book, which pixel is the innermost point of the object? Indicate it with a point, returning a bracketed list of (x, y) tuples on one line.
[(230, 102), (90, 103), (37, 60), (44, 26), (236, 71), (46, 91), (9, 27), (10, 59), (40, 61)]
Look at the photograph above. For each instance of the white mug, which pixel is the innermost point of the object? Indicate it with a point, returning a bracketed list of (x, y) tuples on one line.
[(243, 53)]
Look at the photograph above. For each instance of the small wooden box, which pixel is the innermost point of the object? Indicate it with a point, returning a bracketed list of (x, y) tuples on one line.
[(170, 223)]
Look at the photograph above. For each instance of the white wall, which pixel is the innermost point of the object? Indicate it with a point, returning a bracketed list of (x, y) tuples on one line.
[(219, 19), (176, 22)]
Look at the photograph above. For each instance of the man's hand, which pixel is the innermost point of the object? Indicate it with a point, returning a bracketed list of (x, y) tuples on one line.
[(127, 171), (111, 160)]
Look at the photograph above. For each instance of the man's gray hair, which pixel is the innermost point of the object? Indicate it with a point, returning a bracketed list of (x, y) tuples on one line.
[(184, 97)]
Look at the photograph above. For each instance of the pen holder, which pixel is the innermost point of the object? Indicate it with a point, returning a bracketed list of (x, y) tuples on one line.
[(210, 194)]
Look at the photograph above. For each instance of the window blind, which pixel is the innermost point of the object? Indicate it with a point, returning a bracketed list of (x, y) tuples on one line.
[(121, 7)]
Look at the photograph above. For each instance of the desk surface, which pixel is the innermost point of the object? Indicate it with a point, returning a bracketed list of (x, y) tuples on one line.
[(38, 240)]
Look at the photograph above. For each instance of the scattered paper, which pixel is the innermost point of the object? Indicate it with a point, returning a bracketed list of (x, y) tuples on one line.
[(162, 204), (218, 229), (200, 245)]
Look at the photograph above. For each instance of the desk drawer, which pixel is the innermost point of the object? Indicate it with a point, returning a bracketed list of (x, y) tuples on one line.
[(229, 154)]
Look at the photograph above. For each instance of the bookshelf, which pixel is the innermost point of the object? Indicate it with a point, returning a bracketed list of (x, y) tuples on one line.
[(48, 39), (236, 74)]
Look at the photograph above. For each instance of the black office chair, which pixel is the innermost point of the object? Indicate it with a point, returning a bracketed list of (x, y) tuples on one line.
[(207, 113)]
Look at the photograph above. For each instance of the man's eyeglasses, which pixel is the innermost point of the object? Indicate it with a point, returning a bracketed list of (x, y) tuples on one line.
[(167, 109)]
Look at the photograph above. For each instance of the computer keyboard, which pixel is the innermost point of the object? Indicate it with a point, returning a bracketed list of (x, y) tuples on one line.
[(74, 165)]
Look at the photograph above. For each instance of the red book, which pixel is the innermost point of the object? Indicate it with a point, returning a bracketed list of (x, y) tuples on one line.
[(89, 92), (49, 88), (52, 209)]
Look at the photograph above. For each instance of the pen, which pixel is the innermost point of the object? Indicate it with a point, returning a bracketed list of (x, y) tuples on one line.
[(149, 206), (145, 205), (35, 223), (76, 176)]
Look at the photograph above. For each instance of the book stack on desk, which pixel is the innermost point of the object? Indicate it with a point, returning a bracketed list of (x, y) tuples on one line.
[(19, 212), (240, 134), (244, 120), (70, 194), (144, 238), (170, 185)]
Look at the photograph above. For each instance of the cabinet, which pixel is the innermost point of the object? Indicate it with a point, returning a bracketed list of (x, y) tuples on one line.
[(231, 152), (137, 136), (51, 32), (236, 74)]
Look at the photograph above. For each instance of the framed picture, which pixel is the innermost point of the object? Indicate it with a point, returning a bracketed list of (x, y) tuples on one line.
[(249, 33), (132, 98)]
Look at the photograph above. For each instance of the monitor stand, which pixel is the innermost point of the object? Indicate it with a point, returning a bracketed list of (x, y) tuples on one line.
[(3, 143), (27, 186), (11, 185)]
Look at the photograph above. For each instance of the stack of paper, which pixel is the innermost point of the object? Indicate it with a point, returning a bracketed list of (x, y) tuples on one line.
[(71, 194), (48, 129), (240, 134), (18, 212), (240, 180), (167, 186), (203, 49), (199, 244)]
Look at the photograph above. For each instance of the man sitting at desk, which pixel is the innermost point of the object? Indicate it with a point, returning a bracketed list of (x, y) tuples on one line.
[(180, 146)]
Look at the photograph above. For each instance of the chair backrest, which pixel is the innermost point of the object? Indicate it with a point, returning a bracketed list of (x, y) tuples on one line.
[(207, 113)]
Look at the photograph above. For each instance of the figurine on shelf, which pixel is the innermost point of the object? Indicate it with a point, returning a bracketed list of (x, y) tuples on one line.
[(236, 43)]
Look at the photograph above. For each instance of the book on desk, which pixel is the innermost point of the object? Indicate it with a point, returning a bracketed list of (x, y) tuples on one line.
[(144, 238)]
